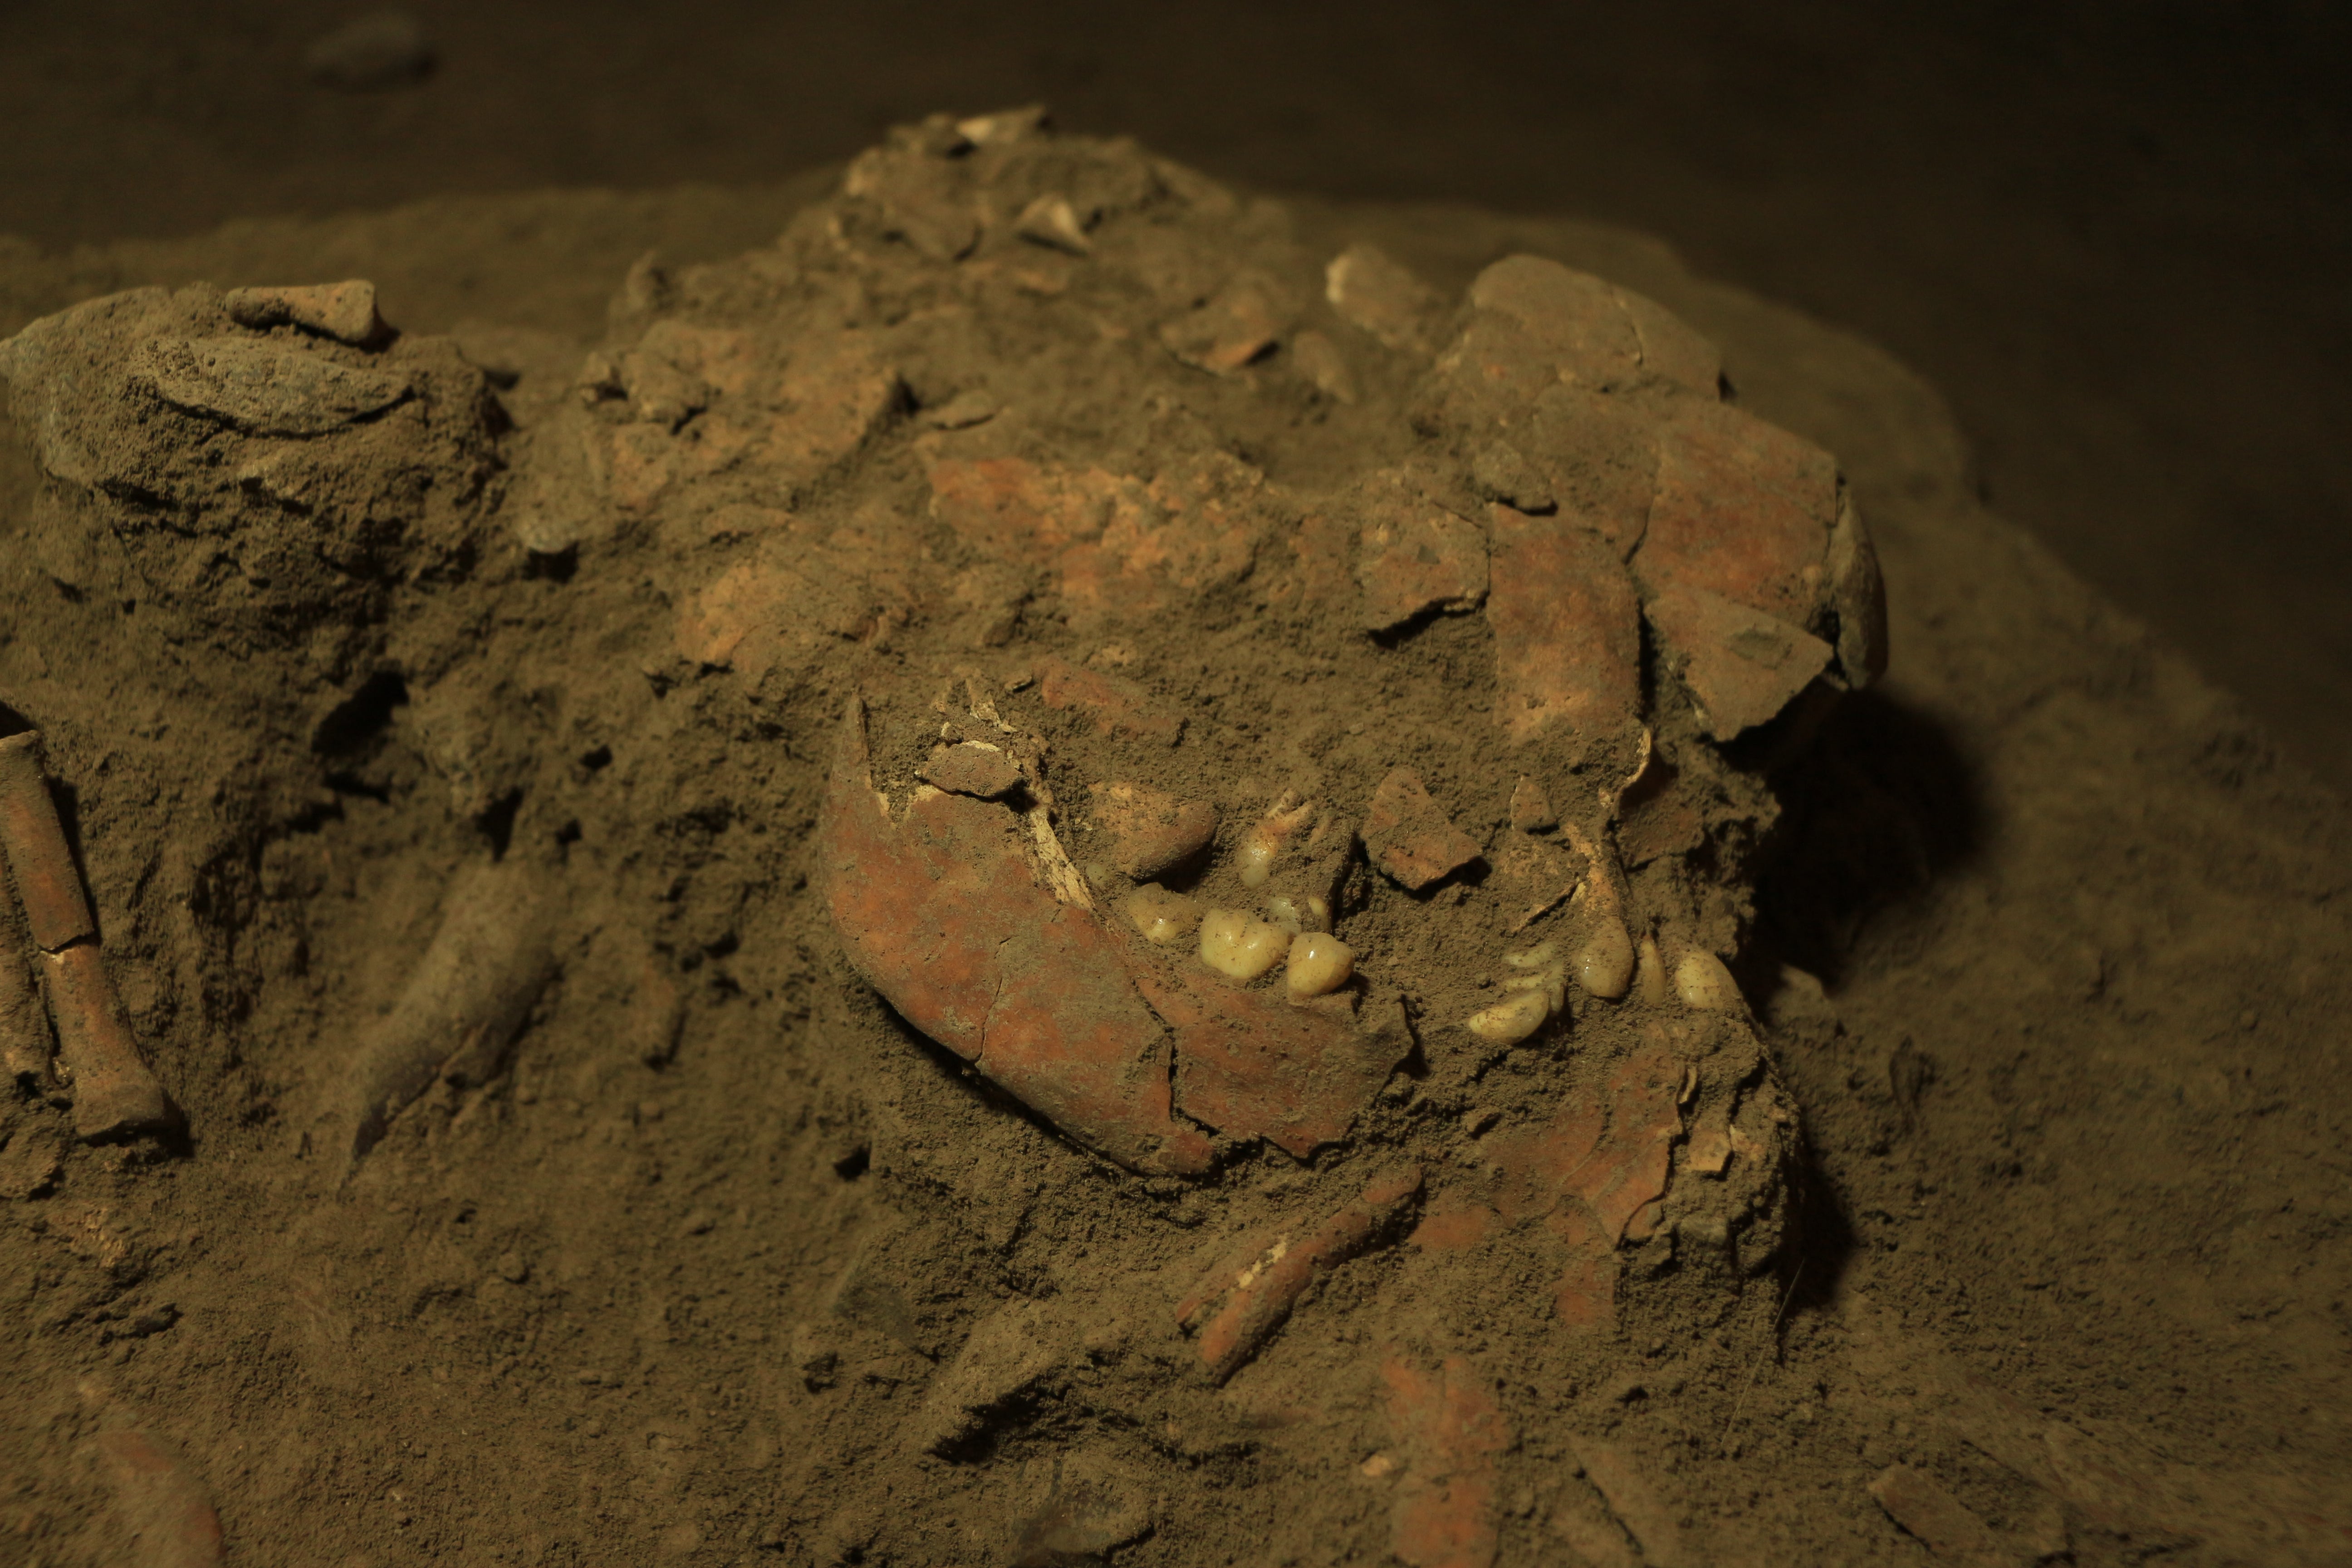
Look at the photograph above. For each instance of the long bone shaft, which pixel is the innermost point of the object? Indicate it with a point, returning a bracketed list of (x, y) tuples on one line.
[(115, 1095)]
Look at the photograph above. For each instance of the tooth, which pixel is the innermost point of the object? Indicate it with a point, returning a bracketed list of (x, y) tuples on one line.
[(1296, 914), (1266, 836), (1604, 965), (1702, 982), (1240, 946), (1653, 974), (1513, 1019), (1165, 918), (1319, 963)]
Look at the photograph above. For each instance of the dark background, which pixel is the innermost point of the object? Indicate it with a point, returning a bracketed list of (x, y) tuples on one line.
[(2117, 234)]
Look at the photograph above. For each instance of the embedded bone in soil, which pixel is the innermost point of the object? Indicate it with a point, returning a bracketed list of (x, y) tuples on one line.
[(115, 1094), (492, 955), (1236, 536), (941, 905)]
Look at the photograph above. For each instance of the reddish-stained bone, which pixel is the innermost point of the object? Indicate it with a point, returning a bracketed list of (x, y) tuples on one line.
[(818, 411), (1568, 637), (1117, 706), (1114, 545), (1253, 1066), (1630, 1160), (1236, 325), (1254, 1300), (1740, 666), (1942, 1524), (1535, 325), (1020, 511), (1410, 837), (1150, 830), (1584, 1297), (24, 1032), (1197, 530), (1380, 294), (1417, 557), (114, 1094), (974, 768), (1452, 1437), (493, 953), (1743, 508), (942, 913), (798, 591), (1585, 1173), (344, 312), (34, 839), (1321, 547), (1633, 1495), (165, 1508), (1599, 456)]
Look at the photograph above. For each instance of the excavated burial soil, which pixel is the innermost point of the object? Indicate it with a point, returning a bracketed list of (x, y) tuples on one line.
[(2070, 1251)]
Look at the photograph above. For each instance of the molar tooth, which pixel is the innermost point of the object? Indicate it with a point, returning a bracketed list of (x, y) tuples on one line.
[(1165, 918), (1240, 946), (1319, 963)]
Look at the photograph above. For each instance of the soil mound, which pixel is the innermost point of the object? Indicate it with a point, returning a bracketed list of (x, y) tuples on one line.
[(1073, 867)]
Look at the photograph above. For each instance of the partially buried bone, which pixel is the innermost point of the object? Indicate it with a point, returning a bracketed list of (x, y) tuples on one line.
[(114, 1094), (476, 983), (24, 1034)]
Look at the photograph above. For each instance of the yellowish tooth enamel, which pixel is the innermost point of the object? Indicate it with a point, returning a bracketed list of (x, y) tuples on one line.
[(1545, 973), (1319, 963), (1652, 974), (1604, 965), (1512, 1019), (1240, 946), (1702, 982), (1263, 843), (1297, 914), (1165, 918)]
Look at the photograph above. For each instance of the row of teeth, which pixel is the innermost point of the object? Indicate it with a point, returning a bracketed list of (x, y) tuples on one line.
[(1296, 932), (1242, 946), (1607, 966)]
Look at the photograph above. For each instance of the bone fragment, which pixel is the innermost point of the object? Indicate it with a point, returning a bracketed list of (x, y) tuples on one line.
[(469, 993), (35, 840), (23, 1033), (114, 1094), (1249, 1296)]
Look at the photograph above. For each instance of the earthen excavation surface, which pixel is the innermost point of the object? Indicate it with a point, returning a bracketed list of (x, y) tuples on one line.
[(1074, 867)]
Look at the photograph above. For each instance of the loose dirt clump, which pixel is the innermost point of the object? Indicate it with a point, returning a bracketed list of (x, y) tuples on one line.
[(1060, 870)]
